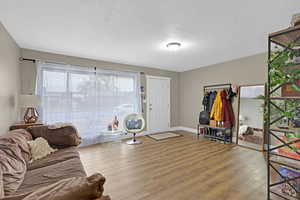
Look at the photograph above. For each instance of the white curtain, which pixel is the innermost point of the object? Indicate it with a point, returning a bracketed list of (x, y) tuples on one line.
[(87, 97)]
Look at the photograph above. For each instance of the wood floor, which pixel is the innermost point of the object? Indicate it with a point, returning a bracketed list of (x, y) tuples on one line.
[(182, 168)]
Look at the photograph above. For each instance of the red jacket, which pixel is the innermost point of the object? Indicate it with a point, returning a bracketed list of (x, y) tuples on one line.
[(227, 111)]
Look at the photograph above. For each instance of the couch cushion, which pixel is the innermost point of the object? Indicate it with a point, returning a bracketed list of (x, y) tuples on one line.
[(59, 138), (59, 156), (40, 177), (13, 167), (20, 138), (15, 197), (77, 188)]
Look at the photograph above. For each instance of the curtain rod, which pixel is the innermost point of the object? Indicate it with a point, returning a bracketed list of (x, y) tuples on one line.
[(27, 59), (34, 61)]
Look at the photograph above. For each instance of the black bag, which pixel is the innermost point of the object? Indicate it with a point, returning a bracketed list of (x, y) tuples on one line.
[(204, 118)]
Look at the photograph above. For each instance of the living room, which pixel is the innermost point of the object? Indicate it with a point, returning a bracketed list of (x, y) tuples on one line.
[(149, 100)]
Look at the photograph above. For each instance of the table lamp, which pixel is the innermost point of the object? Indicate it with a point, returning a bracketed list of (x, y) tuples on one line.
[(30, 102)]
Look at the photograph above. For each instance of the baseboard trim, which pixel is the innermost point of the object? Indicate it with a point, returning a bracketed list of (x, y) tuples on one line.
[(183, 128), (144, 133), (175, 128)]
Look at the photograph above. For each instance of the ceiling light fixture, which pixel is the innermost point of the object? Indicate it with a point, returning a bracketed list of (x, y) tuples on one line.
[(173, 46)]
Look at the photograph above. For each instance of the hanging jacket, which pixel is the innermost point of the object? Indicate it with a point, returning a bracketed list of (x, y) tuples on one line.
[(227, 111), (211, 100), (216, 111), (205, 101)]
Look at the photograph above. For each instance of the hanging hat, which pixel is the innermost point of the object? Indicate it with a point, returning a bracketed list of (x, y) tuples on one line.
[(235, 89)]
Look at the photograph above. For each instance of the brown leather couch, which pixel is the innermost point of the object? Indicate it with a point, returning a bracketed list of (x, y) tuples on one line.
[(62, 164)]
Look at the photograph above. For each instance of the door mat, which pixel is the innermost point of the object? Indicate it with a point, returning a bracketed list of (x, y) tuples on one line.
[(163, 136)]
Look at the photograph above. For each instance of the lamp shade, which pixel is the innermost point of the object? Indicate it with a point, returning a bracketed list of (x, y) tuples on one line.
[(27, 101)]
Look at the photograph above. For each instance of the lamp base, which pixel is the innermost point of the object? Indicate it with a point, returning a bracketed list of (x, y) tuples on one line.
[(31, 115)]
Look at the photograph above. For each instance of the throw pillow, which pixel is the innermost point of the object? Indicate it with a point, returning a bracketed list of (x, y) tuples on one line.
[(76, 188), (40, 148), (60, 137)]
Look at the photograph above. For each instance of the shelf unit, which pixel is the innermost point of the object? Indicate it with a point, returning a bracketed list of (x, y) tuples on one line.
[(225, 137), (275, 159), (210, 132)]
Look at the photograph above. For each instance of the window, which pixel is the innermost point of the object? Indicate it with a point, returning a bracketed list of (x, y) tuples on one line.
[(87, 97)]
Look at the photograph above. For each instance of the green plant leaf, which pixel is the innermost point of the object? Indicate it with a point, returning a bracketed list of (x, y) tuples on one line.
[(295, 87)]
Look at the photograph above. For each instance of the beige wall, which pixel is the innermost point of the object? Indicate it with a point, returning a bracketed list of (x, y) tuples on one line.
[(28, 72), (243, 71), (186, 87), (9, 80)]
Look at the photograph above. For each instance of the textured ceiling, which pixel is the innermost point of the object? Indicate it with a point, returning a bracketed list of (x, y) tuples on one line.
[(136, 31)]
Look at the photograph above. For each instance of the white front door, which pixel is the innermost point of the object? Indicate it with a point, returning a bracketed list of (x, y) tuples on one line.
[(158, 103)]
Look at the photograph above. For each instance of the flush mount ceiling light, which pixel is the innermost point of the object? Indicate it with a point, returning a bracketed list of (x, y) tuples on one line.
[(173, 46)]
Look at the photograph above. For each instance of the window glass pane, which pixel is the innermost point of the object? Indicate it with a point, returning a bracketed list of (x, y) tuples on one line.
[(83, 101), (53, 98), (54, 81), (117, 97), (87, 99), (125, 84)]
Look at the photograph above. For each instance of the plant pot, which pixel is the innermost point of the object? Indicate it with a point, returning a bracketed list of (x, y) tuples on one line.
[(287, 90)]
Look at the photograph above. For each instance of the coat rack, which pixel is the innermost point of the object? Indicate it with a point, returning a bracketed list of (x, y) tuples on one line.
[(217, 87), (226, 136)]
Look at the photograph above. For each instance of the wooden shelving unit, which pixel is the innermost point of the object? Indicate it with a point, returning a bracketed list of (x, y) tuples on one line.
[(277, 160), (285, 36)]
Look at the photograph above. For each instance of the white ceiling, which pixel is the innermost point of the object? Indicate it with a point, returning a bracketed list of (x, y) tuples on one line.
[(136, 31)]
